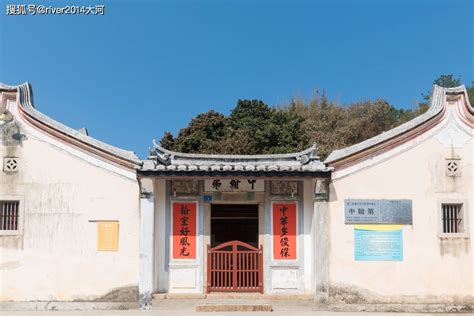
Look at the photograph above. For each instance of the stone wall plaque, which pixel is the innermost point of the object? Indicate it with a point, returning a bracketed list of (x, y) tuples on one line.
[(378, 211), (182, 187), (279, 187)]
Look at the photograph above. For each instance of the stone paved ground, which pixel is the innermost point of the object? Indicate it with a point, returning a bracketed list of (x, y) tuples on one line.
[(186, 313), (184, 307)]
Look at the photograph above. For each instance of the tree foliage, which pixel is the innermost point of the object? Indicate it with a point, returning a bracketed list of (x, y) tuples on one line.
[(251, 128), (167, 141), (445, 81), (470, 92), (255, 128), (333, 126), (203, 134)]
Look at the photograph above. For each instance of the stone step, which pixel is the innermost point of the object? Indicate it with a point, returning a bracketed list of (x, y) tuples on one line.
[(178, 296), (234, 307), (258, 296), (233, 295)]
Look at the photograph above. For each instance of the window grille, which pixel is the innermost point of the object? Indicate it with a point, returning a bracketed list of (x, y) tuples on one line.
[(453, 167), (10, 164), (452, 218), (9, 214)]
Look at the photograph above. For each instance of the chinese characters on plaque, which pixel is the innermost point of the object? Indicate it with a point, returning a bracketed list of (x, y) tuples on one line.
[(378, 211), (234, 185), (184, 230), (284, 231)]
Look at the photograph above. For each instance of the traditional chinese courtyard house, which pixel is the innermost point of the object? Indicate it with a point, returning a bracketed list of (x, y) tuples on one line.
[(386, 221), (230, 222)]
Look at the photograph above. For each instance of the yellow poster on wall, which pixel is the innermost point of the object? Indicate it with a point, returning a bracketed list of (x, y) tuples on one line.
[(107, 235)]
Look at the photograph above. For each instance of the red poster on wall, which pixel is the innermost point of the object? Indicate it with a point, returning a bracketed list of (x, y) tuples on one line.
[(184, 230), (284, 231)]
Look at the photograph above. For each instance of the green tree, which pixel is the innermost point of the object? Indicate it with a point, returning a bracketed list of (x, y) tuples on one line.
[(203, 134), (252, 128), (268, 130), (167, 141), (249, 117), (445, 81), (283, 132), (470, 93)]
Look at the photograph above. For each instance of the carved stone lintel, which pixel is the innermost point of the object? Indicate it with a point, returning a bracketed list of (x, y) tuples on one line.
[(281, 187), (183, 187)]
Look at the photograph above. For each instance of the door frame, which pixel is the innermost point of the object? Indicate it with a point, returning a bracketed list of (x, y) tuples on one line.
[(259, 199)]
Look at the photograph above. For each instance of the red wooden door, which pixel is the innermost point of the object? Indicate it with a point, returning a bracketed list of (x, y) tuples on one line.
[(234, 266)]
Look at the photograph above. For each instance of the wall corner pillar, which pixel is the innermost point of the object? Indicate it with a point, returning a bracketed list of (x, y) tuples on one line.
[(147, 220), (321, 252)]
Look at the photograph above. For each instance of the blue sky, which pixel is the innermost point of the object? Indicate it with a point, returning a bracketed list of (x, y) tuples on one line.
[(146, 67)]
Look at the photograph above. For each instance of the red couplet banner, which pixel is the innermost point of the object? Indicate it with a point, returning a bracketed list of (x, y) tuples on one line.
[(284, 231), (184, 230)]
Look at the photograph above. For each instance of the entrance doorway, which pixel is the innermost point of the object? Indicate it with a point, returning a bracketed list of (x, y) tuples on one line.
[(234, 259), (234, 222)]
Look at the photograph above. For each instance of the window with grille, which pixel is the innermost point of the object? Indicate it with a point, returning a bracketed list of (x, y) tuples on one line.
[(9, 215), (452, 217)]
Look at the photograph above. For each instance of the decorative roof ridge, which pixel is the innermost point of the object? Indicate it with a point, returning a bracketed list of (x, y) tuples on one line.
[(166, 156), (25, 97), (462, 90), (437, 105)]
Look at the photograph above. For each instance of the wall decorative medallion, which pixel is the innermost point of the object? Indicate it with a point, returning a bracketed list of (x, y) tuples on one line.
[(453, 167), (10, 164)]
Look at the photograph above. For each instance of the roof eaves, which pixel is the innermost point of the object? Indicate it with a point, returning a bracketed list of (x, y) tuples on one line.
[(311, 151), (25, 97)]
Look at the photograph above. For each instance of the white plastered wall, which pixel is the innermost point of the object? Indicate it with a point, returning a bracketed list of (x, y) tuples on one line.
[(56, 257), (433, 270)]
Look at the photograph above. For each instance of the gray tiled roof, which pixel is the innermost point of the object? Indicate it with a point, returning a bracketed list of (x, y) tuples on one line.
[(436, 106), (26, 101), (163, 160)]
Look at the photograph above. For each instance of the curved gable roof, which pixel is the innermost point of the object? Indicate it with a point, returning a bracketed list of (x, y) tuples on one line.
[(74, 137), (407, 130)]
